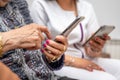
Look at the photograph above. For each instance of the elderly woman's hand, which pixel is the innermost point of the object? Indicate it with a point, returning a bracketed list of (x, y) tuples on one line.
[(28, 37), (95, 46), (55, 49)]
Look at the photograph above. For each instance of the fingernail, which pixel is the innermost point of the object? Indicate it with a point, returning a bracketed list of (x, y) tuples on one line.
[(96, 39), (90, 42), (45, 45), (42, 50), (91, 70), (105, 35), (47, 42)]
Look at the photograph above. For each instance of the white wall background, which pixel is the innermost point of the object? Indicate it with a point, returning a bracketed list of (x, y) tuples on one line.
[(108, 12)]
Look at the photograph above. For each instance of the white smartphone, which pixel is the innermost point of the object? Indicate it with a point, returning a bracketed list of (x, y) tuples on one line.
[(105, 29)]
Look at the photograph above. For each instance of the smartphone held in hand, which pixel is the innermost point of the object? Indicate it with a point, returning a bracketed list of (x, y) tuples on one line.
[(105, 29)]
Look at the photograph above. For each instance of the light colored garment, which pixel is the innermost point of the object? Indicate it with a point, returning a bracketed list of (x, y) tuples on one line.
[(111, 67), (49, 13)]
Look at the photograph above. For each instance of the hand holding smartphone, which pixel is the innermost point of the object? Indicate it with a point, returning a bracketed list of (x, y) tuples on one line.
[(106, 29), (69, 29)]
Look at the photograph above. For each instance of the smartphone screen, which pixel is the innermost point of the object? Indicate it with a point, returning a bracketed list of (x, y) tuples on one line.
[(106, 29)]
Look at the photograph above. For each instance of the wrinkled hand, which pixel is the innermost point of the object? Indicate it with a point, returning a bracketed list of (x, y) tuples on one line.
[(95, 46), (28, 37), (86, 64), (55, 49)]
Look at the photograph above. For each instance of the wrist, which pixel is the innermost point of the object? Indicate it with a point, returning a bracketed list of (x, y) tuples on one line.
[(7, 42), (69, 61), (1, 45), (54, 60)]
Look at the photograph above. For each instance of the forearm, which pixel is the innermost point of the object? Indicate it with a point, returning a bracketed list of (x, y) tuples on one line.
[(73, 61), (69, 60), (6, 42)]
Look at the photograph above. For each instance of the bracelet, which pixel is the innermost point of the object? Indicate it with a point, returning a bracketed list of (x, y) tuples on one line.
[(1, 45), (71, 60)]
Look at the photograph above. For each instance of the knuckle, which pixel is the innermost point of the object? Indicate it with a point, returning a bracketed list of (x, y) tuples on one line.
[(36, 38), (33, 45), (38, 47), (45, 28)]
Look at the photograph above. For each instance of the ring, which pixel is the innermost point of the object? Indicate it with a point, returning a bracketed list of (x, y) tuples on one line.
[(53, 59), (49, 52), (64, 48)]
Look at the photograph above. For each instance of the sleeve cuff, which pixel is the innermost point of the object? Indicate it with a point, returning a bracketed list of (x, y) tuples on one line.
[(54, 65)]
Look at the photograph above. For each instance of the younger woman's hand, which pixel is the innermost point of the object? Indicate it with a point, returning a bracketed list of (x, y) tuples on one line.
[(55, 49), (81, 63), (95, 46), (88, 65)]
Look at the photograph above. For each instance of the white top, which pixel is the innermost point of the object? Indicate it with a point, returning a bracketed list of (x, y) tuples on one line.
[(49, 13)]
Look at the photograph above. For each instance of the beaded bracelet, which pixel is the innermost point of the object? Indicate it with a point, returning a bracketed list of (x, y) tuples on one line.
[(1, 45), (71, 60)]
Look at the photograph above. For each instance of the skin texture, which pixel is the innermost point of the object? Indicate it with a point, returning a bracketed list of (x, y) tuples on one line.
[(30, 37), (6, 73), (3, 2), (69, 5)]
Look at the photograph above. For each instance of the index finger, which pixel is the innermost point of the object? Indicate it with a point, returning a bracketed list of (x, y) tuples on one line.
[(97, 67), (46, 31), (61, 39)]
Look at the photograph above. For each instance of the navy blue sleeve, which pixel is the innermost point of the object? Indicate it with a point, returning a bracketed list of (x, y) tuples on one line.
[(54, 65)]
